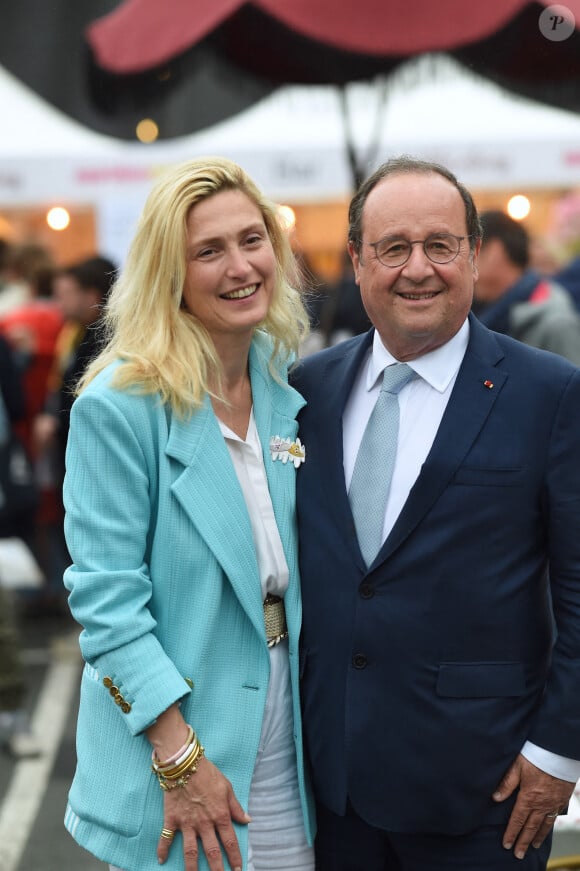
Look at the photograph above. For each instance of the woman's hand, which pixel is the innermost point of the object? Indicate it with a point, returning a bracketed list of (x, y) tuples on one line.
[(204, 809)]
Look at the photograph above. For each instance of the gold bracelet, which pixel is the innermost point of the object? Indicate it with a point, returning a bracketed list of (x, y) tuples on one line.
[(169, 783), (173, 772), (173, 766), (177, 784), (190, 739)]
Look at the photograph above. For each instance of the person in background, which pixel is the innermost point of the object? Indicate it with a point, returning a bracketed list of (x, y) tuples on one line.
[(516, 300), (439, 556), (342, 314), (26, 271), (336, 311), (5, 249), (180, 494), (312, 294), (80, 292), (32, 328), (16, 736), (568, 275), (545, 255)]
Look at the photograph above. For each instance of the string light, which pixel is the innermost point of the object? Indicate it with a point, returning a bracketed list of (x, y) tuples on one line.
[(518, 207), (287, 217), (57, 218), (147, 131)]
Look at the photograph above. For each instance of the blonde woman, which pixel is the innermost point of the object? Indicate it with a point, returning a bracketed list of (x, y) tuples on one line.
[(179, 495)]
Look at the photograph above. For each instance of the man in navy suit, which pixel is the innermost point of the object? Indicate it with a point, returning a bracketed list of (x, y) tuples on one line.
[(441, 680)]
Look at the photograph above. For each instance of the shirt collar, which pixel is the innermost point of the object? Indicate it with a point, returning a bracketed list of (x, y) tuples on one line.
[(437, 368), (230, 435)]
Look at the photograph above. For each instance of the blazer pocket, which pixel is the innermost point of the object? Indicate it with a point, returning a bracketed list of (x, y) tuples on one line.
[(479, 680), (488, 477)]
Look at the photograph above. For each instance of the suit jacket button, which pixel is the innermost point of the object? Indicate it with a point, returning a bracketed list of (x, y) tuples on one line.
[(359, 660), (125, 707), (119, 699), (366, 591), (107, 682), (114, 690)]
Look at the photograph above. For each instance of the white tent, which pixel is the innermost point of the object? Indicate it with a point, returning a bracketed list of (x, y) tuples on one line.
[(293, 143), (32, 128), (294, 140)]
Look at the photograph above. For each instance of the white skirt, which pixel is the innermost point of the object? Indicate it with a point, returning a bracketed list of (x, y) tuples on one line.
[(277, 841)]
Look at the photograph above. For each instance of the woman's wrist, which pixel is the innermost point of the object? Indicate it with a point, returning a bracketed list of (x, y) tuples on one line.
[(169, 734), (175, 772)]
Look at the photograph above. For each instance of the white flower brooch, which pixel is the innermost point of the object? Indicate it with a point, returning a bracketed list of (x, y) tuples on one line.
[(284, 449)]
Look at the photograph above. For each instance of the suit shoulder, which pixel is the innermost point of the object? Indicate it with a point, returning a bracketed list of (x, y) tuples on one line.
[(309, 368)]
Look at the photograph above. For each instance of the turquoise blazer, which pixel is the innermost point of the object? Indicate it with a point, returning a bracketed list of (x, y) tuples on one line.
[(165, 584)]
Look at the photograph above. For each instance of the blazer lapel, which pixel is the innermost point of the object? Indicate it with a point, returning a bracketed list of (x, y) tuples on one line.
[(208, 490), (469, 406), (275, 409)]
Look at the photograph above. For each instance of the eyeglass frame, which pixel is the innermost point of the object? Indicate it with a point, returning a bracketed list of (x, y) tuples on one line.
[(411, 242)]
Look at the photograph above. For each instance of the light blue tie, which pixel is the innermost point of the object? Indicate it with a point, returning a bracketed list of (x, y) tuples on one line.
[(373, 469)]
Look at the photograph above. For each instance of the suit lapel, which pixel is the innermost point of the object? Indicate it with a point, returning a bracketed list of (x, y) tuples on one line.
[(470, 404), (337, 382), (275, 409)]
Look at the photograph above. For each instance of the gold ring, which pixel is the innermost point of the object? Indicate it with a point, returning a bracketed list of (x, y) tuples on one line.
[(168, 834)]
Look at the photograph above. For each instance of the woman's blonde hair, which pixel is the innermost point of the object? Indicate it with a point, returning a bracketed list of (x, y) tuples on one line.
[(162, 347)]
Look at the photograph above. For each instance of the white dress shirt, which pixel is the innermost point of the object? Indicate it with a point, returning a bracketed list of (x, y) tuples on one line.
[(422, 403)]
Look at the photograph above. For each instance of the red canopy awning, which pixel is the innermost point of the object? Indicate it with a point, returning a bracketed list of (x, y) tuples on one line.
[(143, 34)]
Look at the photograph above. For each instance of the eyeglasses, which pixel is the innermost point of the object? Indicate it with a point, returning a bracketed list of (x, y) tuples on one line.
[(393, 251)]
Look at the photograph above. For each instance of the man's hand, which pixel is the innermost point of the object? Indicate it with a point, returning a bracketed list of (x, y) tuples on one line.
[(541, 797)]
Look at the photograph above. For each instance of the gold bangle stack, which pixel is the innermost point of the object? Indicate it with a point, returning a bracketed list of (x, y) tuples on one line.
[(176, 775)]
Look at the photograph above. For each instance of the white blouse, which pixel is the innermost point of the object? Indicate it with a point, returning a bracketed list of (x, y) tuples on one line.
[(248, 461)]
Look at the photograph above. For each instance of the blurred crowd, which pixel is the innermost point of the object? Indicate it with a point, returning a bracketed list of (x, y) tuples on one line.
[(49, 331)]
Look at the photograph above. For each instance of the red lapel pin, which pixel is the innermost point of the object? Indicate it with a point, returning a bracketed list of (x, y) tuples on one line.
[(488, 384)]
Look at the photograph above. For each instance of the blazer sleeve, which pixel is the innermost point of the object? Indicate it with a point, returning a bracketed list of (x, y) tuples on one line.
[(557, 725), (107, 496)]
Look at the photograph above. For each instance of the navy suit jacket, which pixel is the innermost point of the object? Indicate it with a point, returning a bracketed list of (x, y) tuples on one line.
[(423, 676)]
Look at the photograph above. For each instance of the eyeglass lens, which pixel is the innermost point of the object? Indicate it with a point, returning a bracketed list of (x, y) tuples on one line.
[(439, 248)]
